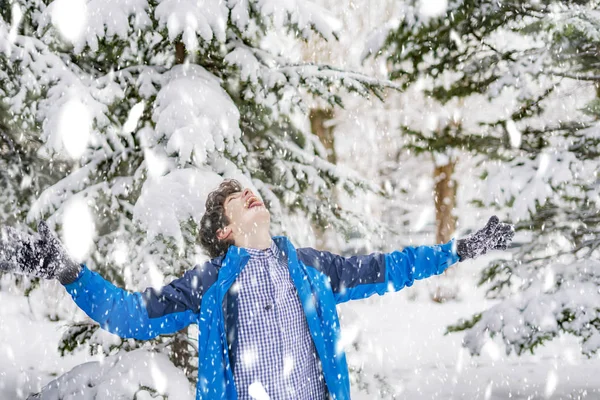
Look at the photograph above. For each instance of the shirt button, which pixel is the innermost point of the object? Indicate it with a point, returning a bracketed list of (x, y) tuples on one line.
[(268, 307)]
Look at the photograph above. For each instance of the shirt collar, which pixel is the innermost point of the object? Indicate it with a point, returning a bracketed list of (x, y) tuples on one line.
[(271, 251)]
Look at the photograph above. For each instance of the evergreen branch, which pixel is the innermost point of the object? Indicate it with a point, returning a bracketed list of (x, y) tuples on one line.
[(331, 72), (7, 139), (463, 324), (592, 78)]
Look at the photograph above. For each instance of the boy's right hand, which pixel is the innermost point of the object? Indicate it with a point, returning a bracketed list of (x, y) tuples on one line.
[(40, 255)]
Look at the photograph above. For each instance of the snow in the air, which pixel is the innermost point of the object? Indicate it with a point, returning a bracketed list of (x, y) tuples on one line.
[(74, 125), (133, 117), (514, 133), (16, 17), (79, 229), (432, 8), (346, 118), (257, 391), (70, 17)]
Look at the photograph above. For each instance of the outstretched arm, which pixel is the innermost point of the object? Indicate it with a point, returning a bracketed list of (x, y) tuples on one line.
[(358, 277), (129, 315), (138, 315)]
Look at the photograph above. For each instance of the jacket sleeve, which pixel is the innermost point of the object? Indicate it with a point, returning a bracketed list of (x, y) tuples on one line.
[(138, 315), (359, 277)]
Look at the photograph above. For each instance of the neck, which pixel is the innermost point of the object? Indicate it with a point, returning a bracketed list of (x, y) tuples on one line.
[(255, 240)]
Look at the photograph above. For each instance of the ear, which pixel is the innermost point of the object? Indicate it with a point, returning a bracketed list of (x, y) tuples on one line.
[(224, 233)]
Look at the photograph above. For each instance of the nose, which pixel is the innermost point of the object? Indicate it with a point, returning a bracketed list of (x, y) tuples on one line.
[(246, 193)]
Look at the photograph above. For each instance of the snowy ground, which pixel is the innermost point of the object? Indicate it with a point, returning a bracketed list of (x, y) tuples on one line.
[(403, 348), (405, 343), (28, 349)]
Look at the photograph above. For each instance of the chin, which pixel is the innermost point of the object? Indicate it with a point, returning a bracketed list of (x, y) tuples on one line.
[(263, 216), (260, 215)]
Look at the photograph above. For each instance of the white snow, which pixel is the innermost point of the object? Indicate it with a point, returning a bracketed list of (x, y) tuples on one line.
[(402, 347), (196, 115), (551, 383), (78, 229), (69, 17), (257, 391), (16, 17), (514, 134), (84, 23), (175, 197), (189, 18), (157, 163), (74, 126), (545, 161), (133, 117), (432, 8), (137, 374), (119, 254), (288, 365), (396, 344)]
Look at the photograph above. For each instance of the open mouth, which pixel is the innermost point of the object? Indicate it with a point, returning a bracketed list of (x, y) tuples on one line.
[(252, 202)]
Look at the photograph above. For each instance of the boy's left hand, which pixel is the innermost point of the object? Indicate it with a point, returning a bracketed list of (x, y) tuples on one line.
[(495, 235)]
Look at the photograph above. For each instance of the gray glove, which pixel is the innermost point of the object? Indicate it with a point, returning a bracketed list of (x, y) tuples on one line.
[(495, 235), (40, 255)]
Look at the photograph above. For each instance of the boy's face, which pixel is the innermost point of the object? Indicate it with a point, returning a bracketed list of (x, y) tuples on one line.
[(246, 213)]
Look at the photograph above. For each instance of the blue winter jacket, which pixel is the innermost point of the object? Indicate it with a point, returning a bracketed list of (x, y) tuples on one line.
[(322, 280)]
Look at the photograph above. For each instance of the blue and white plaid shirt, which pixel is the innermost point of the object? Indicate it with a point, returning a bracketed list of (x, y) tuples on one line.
[(275, 348)]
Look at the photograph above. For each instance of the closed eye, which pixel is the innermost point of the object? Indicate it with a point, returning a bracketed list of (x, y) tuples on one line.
[(233, 196)]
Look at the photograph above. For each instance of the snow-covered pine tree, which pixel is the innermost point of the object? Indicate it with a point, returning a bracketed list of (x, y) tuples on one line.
[(443, 59), (479, 68), (550, 286), (16, 164), (22, 176), (533, 62), (151, 103)]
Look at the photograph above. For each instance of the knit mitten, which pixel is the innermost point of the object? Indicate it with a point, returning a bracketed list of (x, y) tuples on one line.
[(495, 235), (40, 255)]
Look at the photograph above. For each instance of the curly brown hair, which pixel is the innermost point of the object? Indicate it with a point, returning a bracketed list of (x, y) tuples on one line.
[(214, 218)]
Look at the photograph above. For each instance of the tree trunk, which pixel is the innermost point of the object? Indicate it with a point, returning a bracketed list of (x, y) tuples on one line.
[(179, 53), (445, 201), (180, 351), (318, 125)]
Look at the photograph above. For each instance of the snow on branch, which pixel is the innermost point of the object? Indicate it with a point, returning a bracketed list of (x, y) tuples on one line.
[(375, 41), (578, 77), (67, 89), (195, 22), (257, 66), (323, 77), (196, 115), (303, 16), (564, 298), (168, 200), (207, 19), (80, 182), (136, 374), (100, 19), (297, 156)]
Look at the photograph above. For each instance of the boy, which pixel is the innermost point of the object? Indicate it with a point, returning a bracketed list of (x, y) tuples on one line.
[(266, 311)]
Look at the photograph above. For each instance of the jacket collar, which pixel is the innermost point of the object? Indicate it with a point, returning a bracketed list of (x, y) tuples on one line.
[(237, 257), (262, 254), (284, 245)]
